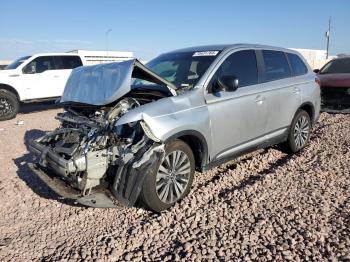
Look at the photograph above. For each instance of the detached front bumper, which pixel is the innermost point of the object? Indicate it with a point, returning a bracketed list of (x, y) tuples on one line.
[(100, 197), (125, 188)]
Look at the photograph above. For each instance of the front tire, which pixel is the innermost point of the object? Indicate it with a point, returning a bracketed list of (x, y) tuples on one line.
[(299, 133), (172, 179), (9, 105)]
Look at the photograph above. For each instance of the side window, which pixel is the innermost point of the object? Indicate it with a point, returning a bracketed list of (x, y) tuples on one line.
[(242, 65), (298, 66), (68, 62), (276, 65), (39, 65)]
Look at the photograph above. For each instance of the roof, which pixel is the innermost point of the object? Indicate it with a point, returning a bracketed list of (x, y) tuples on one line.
[(102, 53), (53, 54), (226, 46)]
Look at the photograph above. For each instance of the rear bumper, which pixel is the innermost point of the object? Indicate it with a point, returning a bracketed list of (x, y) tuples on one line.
[(100, 198)]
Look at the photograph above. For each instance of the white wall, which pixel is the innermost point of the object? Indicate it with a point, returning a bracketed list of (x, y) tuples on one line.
[(315, 57), (100, 57)]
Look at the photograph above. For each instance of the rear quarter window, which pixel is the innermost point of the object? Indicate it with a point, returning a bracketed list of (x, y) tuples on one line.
[(276, 65), (298, 66)]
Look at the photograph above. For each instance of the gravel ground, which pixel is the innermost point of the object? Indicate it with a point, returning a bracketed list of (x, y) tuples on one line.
[(264, 206)]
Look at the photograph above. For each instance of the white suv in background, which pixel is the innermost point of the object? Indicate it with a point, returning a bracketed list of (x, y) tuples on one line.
[(34, 78)]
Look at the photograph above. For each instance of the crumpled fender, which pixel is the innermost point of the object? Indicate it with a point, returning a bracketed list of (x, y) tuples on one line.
[(168, 116), (129, 178)]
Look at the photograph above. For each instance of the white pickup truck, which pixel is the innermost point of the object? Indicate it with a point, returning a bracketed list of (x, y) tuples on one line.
[(35, 78), (43, 76)]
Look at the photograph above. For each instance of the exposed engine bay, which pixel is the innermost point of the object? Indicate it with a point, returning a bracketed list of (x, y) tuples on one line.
[(90, 152)]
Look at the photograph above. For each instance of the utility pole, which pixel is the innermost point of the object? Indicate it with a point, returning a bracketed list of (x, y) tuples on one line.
[(106, 34), (328, 34)]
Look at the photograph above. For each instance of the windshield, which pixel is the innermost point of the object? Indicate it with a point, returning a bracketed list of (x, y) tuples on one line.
[(16, 63), (181, 69), (338, 66)]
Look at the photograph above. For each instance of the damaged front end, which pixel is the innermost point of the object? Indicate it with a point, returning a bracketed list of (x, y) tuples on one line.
[(91, 153), (90, 157)]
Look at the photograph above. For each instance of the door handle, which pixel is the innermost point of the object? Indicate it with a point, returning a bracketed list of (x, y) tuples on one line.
[(259, 99), (56, 76), (296, 90)]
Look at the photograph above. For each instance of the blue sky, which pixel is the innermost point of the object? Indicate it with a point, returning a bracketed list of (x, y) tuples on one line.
[(151, 27)]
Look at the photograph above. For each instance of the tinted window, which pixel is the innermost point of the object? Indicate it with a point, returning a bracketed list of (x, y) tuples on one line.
[(68, 62), (276, 65), (242, 65), (298, 66), (337, 66), (39, 65)]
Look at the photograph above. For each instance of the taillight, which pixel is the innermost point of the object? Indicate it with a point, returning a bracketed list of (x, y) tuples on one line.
[(318, 81)]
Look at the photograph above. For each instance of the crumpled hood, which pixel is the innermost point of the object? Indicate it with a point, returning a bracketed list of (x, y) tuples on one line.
[(105, 83), (334, 80)]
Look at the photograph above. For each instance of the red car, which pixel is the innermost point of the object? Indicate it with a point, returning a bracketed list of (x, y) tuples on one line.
[(334, 80)]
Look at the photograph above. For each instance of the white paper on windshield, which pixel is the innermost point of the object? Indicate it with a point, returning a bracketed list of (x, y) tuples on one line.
[(206, 53)]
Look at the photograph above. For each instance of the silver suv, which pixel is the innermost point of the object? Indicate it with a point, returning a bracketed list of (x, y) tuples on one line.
[(132, 132)]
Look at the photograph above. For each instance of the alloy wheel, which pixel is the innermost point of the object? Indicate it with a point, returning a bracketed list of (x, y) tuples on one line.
[(173, 176), (6, 108), (301, 131)]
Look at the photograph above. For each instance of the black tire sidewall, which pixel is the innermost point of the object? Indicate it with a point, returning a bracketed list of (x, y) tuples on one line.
[(291, 141), (149, 195), (13, 100)]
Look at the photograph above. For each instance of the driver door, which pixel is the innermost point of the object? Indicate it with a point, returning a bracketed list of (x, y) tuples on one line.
[(238, 118), (39, 78)]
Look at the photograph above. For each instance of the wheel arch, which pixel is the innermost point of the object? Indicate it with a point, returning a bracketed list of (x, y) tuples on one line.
[(10, 89), (310, 109), (196, 141)]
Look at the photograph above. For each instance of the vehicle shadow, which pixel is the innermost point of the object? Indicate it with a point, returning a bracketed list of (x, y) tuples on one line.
[(28, 176), (38, 107), (251, 180)]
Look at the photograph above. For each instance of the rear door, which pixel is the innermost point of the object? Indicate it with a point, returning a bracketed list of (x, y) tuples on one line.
[(282, 91), (237, 118)]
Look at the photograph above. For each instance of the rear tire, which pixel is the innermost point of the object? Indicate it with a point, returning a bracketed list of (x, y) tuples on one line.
[(172, 179), (299, 132), (9, 105)]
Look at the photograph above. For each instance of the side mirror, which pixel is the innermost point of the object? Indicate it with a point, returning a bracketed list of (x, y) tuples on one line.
[(316, 71), (227, 83)]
